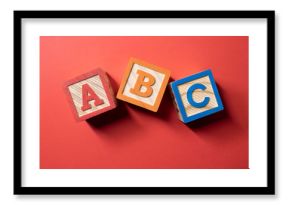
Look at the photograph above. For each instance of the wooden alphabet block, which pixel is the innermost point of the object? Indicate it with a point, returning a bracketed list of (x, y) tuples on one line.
[(196, 96), (143, 84), (90, 94)]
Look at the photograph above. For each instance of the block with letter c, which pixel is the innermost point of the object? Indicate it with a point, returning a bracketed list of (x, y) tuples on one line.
[(90, 94), (143, 84), (196, 96)]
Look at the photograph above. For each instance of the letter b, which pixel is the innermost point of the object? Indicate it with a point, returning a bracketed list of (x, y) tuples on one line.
[(140, 82)]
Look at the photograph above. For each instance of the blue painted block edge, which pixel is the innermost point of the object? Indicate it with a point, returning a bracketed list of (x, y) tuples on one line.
[(180, 105)]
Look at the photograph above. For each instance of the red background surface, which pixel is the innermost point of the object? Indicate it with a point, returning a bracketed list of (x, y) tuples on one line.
[(132, 137)]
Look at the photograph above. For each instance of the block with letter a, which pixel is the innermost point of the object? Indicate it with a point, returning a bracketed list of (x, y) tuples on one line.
[(196, 96), (143, 84), (90, 94)]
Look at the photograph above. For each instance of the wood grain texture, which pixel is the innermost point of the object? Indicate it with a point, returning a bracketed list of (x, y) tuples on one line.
[(175, 105), (198, 95), (99, 82), (159, 78), (76, 92), (130, 77)]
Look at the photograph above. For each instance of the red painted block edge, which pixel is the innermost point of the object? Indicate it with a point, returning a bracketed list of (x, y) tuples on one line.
[(106, 84)]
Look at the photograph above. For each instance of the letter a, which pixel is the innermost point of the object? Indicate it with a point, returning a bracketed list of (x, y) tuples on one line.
[(89, 95), (140, 82)]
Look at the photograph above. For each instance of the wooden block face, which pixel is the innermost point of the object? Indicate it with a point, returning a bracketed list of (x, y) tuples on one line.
[(196, 96), (90, 94), (143, 84)]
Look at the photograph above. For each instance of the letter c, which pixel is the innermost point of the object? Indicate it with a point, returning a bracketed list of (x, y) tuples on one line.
[(190, 98)]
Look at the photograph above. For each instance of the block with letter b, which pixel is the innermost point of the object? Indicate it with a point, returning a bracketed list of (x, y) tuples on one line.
[(143, 84), (90, 94), (196, 96)]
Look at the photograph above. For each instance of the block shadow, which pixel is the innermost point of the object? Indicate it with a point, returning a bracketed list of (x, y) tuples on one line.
[(219, 129), (112, 116), (112, 126), (213, 119), (166, 106), (205, 121)]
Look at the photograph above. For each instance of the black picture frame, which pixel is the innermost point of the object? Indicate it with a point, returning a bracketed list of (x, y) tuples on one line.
[(269, 189)]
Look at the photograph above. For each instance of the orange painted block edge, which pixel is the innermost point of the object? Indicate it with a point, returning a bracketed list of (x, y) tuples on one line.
[(161, 92)]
